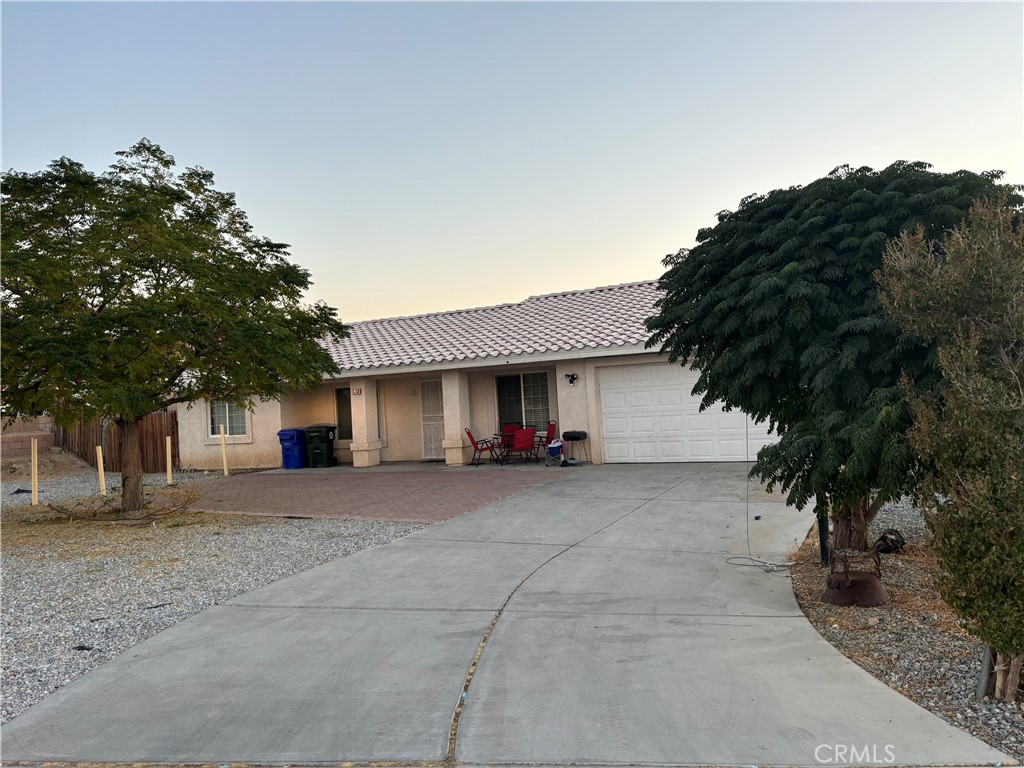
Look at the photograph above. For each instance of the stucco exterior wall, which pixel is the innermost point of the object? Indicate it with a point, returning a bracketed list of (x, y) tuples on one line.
[(302, 409), (402, 421), (574, 406), (258, 448), (483, 405), (573, 399)]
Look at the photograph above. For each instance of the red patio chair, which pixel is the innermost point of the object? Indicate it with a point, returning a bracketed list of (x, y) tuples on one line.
[(524, 442), (480, 447), (505, 438), (543, 440)]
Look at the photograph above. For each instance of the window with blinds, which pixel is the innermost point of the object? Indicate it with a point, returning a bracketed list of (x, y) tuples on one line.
[(535, 399), (523, 399), (228, 414)]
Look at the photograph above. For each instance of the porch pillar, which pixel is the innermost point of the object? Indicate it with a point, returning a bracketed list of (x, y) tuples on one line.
[(365, 430), (455, 390)]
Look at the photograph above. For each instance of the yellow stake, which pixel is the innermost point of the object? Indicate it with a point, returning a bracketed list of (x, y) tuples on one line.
[(224, 450), (167, 443), (99, 465), (35, 471)]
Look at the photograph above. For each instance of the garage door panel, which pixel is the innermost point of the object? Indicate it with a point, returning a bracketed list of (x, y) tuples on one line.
[(643, 425), (616, 451), (649, 415), (734, 420), (703, 423), (613, 401), (670, 398), (613, 377), (671, 375), (701, 450), (673, 450), (644, 450), (732, 450), (642, 399), (638, 374), (616, 427), (670, 424)]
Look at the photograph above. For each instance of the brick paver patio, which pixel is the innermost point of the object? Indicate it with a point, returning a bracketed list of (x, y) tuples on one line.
[(415, 495)]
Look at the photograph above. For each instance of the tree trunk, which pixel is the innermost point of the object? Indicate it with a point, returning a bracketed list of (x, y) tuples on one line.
[(850, 523), (1008, 670), (132, 497)]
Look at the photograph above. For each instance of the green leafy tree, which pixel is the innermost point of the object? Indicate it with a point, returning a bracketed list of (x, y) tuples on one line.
[(967, 294), (128, 291), (777, 309)]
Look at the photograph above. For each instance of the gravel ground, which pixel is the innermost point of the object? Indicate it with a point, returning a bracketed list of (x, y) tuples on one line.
[(74, 600), (916, 646)]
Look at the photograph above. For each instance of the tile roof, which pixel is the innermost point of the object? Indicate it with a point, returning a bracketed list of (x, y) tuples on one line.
[(612, 316)]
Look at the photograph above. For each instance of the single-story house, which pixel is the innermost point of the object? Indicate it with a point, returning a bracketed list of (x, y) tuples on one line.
[(410, 386)]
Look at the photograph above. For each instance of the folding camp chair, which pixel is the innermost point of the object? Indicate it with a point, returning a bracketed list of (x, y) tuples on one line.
[(547, 437), (524, 442), (480, 447)]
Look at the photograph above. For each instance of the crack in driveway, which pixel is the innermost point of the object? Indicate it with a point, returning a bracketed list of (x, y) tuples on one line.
[(453, 732)]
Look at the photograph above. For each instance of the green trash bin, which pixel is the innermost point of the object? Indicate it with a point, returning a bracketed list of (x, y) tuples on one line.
[(320, 445)]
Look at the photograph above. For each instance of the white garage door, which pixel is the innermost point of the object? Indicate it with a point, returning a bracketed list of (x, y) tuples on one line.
[(649, 415)]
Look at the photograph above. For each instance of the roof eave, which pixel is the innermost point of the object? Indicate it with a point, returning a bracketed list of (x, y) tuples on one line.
[(497, 361)]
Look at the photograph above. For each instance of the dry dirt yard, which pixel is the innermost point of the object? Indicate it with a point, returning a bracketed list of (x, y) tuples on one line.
[(51, 464), (914, 644)]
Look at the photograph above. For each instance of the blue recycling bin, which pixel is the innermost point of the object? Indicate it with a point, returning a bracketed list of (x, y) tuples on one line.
[(293, 448)]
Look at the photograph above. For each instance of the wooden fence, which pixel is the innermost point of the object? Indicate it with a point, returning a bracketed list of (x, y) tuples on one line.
[(82, 440)]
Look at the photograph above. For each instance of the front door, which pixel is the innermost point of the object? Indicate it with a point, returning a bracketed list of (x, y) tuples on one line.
[(432, 410)]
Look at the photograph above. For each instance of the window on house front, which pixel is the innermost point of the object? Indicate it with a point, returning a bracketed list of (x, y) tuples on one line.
[(344, 399), (228, 414), (523, 399)]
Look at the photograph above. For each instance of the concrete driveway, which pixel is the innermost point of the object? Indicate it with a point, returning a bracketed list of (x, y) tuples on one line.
[(605, 623)]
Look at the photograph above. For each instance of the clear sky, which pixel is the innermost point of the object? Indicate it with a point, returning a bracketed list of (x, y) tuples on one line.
[(428, 156)]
